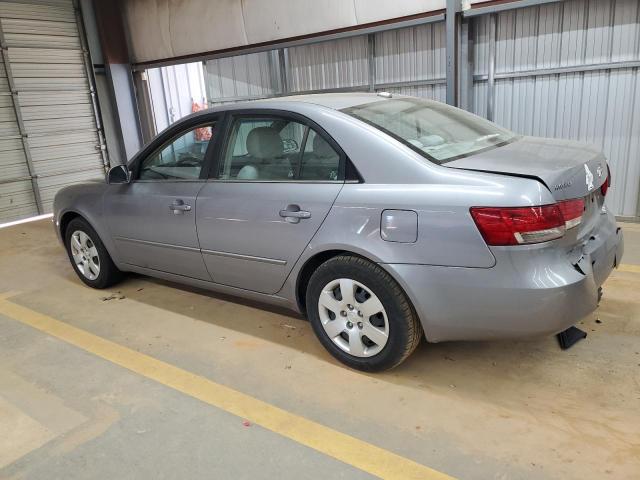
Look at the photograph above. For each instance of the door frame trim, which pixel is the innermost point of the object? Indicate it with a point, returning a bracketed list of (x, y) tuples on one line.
[(157, 244), (271, 261)]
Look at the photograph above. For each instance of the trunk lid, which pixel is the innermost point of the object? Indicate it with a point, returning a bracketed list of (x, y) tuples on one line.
[(568, 169)]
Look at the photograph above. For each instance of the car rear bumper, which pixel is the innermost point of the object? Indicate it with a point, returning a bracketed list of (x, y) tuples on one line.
[(531, 291)]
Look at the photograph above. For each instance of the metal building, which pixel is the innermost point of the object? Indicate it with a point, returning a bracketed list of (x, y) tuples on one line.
[(552, 68)]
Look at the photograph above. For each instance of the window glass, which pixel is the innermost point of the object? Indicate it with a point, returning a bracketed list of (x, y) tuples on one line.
[(270, 149), (263, 149), (440, 132), (243, 130), (319, 160), (180, 159)]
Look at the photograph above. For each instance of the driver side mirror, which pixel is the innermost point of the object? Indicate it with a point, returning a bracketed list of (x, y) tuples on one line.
[(118, 174)]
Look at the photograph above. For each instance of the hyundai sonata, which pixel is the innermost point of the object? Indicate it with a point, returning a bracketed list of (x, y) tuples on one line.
[(383, 218)]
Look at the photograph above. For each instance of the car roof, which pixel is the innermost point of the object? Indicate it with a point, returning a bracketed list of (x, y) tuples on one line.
[(336, 101)]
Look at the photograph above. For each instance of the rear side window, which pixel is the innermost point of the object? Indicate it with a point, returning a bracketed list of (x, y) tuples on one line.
[(262, 149), (319, 160)]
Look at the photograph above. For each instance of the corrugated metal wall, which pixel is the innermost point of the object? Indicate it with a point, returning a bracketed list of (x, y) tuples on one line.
[(408, 60), (570, 70), (51, 109), (414, 57), (242, 77), (329, 65)]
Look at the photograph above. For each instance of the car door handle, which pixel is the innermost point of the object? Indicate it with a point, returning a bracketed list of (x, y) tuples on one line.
[(293, 214), (179, 207)]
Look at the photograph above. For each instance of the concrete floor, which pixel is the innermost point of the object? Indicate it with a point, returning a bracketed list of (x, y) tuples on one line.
[(472, 410)]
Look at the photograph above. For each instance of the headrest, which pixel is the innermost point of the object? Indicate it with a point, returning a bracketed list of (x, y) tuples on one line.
[(321, 147), (264, 142), (431, 140), (248, 172)]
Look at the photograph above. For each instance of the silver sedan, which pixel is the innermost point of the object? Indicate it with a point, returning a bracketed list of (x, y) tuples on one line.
[(382, 218)]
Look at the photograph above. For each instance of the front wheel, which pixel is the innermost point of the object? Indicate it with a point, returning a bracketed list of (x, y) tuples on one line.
[(361, 315), (89, 257)]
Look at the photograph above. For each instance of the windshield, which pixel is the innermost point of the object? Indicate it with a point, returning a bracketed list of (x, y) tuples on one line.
[(437, 131)]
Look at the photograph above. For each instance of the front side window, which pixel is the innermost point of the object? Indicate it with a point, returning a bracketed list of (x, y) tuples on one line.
[(180, 159), (439, 132), (275, 149)]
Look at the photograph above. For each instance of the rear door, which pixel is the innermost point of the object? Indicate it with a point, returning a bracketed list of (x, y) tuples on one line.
[(153, 218), (276, 180)]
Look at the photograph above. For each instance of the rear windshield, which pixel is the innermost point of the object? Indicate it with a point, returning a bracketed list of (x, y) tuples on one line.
[(437, 131)]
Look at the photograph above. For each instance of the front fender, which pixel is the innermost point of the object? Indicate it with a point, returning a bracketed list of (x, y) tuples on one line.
[(84, 200)]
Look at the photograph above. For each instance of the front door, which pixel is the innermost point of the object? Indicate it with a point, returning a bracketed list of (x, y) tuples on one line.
[(276, 182), (152, 219)]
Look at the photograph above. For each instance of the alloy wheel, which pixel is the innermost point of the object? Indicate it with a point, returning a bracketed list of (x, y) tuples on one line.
[(85, 255)]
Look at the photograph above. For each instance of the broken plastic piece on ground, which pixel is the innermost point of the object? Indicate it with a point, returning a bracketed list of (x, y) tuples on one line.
[(570, 336), (246, 423)]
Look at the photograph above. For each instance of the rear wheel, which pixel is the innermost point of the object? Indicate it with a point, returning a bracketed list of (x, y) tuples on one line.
[(361, 315), (89, 257)]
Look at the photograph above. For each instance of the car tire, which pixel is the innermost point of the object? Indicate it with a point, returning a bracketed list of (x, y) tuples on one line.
[(395, 330), (87, 253)]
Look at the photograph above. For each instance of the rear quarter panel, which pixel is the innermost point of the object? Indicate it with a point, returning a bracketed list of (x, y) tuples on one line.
[(447, 235)]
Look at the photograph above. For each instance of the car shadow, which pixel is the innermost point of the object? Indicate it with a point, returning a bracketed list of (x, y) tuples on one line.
[(461, 366), (258, 319)]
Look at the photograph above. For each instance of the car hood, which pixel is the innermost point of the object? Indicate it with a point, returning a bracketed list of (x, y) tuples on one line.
[(568, 169)]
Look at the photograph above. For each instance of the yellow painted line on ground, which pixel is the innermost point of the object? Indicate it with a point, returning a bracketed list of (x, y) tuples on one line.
[(350, 450), (627, 267)]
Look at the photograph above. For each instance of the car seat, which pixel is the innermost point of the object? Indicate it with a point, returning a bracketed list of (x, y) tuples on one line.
[(266, 156)]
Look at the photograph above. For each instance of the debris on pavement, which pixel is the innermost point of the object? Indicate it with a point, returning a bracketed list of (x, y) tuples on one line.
[(113, 296)]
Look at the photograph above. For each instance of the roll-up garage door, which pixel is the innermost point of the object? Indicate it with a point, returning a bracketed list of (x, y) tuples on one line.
[(49, 136)]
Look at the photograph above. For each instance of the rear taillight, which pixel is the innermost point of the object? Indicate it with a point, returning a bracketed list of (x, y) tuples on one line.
[(519, 225), (572, 211), (604, 188), (524, 225)]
